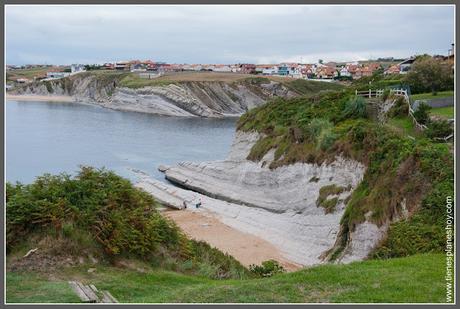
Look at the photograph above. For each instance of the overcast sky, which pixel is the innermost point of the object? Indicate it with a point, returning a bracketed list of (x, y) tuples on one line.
[(224, 34)]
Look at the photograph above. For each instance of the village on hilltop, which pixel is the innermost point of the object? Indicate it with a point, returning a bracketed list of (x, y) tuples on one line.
[(328, 72)]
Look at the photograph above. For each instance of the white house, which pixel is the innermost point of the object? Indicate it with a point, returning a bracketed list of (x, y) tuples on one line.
[(222, 68), (77, 68), (270, 70), (344, 72), (55, 75), (404, 66)]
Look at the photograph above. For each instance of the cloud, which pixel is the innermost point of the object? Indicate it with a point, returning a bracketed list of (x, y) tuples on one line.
[(223, 33)]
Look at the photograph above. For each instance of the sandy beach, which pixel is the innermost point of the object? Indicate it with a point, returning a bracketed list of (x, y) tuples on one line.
[(39, 98), (246, 248)]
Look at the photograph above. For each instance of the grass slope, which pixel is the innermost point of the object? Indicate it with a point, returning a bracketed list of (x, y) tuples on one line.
[(430, 95), (417, 173), (413, 279), (444, 112)]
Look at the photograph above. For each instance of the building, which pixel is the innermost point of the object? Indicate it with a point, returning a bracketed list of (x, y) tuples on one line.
[(122, 66), (270, 70), (108, 66), (283, 70), (77, 68), (394, 69), (405, 65), (366, 71), (325, 72), (22, 80), (344, 72), (55, 75), (138, 67), (248, 68), (222, 68)]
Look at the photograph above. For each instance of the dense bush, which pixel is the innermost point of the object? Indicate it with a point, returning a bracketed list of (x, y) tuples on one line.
[(119, 219), (439, 129), (421, 114), (267, 269), (355, 108)]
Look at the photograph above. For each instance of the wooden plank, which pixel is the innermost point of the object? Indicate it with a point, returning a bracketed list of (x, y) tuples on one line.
[(108, 298), (76, 288), (93, 287), (89, 293)]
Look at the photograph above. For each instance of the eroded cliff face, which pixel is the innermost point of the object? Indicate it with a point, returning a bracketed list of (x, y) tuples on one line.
[(203, 99), (278, 205)]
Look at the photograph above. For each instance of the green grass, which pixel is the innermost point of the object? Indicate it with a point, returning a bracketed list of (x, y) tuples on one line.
[(302, 86), (33, 288), (429, 95), (444, 112), (30, 73), (404, 126), (417, 278)]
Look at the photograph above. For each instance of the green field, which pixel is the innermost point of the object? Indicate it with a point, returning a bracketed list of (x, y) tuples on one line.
[(30, 73), (412, 279), (429, 95), (445, 112)]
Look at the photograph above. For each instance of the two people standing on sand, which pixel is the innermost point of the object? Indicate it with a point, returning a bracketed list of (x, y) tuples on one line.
[(197, 205)]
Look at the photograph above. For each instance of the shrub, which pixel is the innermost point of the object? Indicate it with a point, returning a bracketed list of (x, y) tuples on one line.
[(267, 269), (316, 126), (386, 94), (399, 109), (99, 211), (355, 108), (121, 218), (441, 128), (421, 113)]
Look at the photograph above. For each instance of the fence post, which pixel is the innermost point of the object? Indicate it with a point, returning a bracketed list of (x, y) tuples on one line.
[(356, 92), (370, 93)]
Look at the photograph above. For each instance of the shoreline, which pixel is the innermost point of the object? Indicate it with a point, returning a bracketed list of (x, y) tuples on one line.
[(244, 247), (223, 230), (43, 98)]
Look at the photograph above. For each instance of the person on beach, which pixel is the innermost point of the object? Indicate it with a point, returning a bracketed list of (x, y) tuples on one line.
[(198, 204), (185, 204)]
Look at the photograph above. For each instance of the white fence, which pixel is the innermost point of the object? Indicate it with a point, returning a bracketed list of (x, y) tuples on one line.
[(400, 92)]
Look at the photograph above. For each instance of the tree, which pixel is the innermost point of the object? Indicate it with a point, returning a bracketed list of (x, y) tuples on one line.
[(320, 61), (429, 75)]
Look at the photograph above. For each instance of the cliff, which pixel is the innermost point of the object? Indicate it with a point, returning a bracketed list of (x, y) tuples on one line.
[(323, 181), (172, 97), (277, 205)]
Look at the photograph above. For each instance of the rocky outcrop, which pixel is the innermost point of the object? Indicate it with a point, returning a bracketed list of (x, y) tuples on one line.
[(278, 205), (188, 98), (249, 183)]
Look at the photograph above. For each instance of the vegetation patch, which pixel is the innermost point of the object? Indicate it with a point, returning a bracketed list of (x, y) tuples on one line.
[(398, 168), (324, 199), (302, 86), (100, 214)]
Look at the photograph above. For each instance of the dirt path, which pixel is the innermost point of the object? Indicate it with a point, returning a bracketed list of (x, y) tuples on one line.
[(246, 248)]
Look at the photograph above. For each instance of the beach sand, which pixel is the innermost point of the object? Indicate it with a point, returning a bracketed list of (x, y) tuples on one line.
[(39, 98), (246, 248)]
